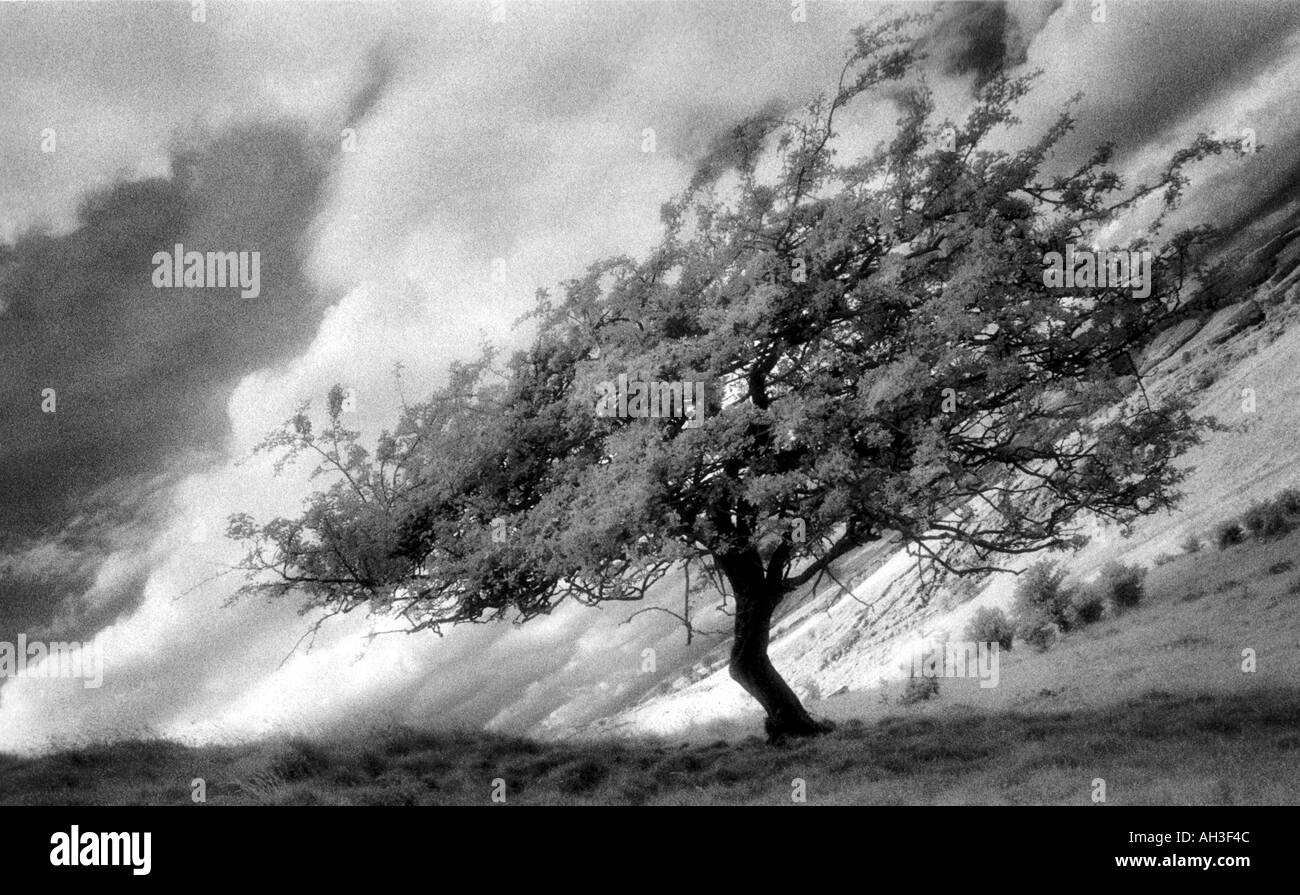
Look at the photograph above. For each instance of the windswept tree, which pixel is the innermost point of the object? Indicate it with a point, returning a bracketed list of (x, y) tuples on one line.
[(880, 355)]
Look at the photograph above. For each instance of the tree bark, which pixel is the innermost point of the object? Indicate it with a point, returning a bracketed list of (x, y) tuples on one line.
[(756, 599)]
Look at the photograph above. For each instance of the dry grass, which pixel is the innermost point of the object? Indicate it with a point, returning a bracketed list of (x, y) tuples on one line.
[(1158, 748)]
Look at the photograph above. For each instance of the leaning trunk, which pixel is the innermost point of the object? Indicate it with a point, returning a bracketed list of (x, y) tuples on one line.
[(756, 601)]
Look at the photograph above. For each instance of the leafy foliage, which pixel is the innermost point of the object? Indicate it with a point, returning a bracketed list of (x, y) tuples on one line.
[(1229, 534), (1087, 607), (1042, 604), (990, 625), (919, 689), (1269, 519), (1121, 586)]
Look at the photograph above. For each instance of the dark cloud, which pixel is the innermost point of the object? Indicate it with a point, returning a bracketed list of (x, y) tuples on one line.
[(1148, 75), (1174, 62), (737, 148), (984, 37), (142, 374), (377, 77), (975, 40)]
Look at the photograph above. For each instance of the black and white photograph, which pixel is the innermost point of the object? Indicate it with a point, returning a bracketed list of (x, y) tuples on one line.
[(648, 403)]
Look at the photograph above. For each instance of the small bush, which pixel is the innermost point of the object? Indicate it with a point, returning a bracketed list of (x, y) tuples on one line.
[(1267, 520), (1165, 558), (1121, 586), (990, 625), (1278, 520), (1087, 607), (919, 689), (1229, 534), (1041, 607), (1278, 568), (1040, 634), (1192, 544), (1289, 500)]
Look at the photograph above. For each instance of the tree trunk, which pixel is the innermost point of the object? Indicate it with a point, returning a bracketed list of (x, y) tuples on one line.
[(756, 600)]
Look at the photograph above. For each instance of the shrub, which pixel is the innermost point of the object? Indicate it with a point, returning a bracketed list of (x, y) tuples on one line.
[(1289, 500), (1087, 607), (1254, 517), (1121, 586), (1192, 544), (1264, 519), (1164, 558), (1039, 634), (1229, 534), (990, 625), (1042, 605), (1271, 519), (1278, 519), (919, 689)]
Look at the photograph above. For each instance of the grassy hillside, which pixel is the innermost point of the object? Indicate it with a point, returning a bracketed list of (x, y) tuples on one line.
[(1159, 748)]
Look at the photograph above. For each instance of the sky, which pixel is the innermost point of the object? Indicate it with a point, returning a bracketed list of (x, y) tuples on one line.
[(410, 175)]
